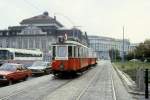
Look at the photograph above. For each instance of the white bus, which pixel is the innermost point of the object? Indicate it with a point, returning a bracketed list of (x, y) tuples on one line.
[(22, 56)]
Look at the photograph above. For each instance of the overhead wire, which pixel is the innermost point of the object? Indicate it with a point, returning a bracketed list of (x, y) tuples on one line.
[(32, 5)]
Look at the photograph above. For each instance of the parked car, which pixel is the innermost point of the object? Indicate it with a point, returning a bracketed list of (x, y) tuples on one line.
[(10, 72), (40, 67)]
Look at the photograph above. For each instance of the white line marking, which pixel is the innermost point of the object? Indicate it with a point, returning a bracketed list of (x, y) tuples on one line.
[(113, 89)]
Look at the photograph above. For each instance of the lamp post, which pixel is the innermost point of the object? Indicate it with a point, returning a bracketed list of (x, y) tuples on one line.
[(123, 47), (115, 53)]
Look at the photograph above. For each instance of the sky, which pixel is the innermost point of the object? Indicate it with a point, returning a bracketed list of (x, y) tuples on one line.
[(96, 17)]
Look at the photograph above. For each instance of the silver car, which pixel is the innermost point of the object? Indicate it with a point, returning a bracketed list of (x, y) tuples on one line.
[(40, 67)]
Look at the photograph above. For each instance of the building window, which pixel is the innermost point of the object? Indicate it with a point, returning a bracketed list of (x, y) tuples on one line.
[(30, 43), (37, 42)]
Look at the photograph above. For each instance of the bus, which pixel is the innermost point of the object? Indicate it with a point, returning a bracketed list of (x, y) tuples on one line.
[(22, 56)]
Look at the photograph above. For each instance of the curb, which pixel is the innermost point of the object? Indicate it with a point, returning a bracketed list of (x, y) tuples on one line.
[(128, 82)]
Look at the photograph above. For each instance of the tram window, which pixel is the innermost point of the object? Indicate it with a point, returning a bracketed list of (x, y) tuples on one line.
[(83, 52), (54, 52), (61, 51), (79, 52), (74, 51), (69, 51)]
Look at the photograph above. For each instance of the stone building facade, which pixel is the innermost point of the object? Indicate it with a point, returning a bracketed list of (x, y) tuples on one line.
[(38, 32), (102, 45)]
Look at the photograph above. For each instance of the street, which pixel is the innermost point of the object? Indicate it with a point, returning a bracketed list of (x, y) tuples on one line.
[(98, 83)]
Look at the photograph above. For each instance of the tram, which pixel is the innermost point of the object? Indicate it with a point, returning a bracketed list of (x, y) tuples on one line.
[(71, 57)]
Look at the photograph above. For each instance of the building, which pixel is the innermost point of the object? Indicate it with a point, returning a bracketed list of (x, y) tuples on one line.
[(133, 46), (38, 32), (102, 45)]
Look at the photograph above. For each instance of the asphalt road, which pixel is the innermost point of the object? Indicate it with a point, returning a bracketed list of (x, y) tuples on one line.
[(98, 83), (17, 82)]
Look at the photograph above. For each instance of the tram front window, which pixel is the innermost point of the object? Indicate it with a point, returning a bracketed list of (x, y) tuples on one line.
[(62, 51), (4, 55)]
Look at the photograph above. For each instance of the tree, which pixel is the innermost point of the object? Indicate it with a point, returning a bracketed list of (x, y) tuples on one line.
[(114, 54), (141, 52)]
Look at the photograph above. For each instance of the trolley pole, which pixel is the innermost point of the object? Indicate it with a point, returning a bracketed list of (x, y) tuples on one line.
[(146, 84)]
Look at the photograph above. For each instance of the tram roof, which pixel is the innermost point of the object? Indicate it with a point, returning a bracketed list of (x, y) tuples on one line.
[(70, 43), (22, 50)]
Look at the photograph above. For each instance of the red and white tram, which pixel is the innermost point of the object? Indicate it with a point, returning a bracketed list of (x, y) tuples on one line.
[(71, 57)]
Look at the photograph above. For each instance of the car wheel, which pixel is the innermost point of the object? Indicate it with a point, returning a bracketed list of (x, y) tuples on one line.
[(48, 72), (45, 72), (25, 78), (10, 82)]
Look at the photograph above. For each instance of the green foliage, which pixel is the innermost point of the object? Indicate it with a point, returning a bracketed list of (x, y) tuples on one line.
[(114, 54), (141, 52), (131, 67), (130, 56)]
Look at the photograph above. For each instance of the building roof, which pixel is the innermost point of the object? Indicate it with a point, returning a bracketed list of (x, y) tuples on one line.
[(106, 38), (41, 19)]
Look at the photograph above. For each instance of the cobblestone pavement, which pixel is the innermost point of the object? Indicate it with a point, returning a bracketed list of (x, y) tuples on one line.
[(98, 83)]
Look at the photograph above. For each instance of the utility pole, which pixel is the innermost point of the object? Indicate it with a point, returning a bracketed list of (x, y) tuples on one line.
[(115, 53), (123, 47)]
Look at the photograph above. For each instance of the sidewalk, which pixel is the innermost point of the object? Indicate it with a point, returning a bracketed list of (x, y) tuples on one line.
[(130, 85)]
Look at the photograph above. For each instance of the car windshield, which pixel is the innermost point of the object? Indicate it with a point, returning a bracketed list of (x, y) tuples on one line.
[(8, 67), (35, 64)]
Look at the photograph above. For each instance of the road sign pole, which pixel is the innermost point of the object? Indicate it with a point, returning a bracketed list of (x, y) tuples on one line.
[(146, 84)]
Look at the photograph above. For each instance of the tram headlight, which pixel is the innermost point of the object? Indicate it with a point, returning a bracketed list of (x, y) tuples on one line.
[(62, 67)]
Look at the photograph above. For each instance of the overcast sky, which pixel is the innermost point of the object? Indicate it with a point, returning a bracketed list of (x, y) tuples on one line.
[(97, 17)]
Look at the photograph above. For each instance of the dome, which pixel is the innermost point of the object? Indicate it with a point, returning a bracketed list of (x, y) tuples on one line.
[(45, 13)]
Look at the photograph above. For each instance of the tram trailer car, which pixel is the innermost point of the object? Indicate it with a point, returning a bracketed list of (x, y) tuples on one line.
[(71, 57)]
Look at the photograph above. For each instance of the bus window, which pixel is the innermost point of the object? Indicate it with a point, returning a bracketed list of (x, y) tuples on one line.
[(69, 51), (4, 54), (54, 52), (11, 56)]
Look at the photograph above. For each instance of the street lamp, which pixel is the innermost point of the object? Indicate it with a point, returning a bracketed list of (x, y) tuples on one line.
[(123, 47), (115, 53)]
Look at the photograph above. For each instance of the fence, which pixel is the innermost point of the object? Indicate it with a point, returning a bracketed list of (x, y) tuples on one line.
[(142, 80)]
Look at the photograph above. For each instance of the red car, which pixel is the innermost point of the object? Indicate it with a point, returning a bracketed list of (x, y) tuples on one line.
[(10, 72)]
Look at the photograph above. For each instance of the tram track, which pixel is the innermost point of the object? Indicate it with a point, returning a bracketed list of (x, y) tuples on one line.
[(86, 88), (93, 82), (67, 89), (45, 85), (55, 82)]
